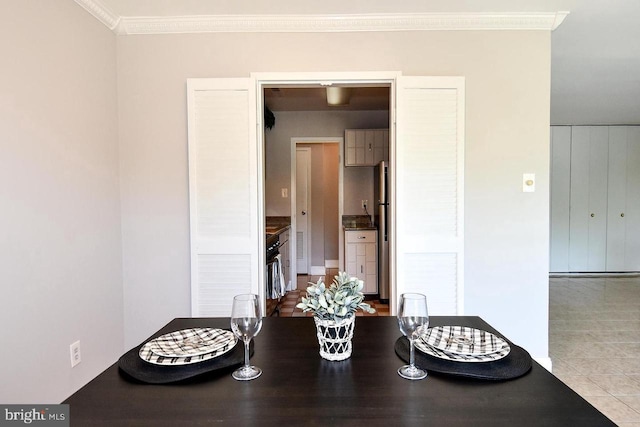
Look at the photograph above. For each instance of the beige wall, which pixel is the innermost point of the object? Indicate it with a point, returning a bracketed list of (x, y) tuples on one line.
[(60, 246), (290, 124), (358, 181), (507, 134)]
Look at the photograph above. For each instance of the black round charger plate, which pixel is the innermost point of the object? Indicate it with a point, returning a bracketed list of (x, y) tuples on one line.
[(135, 367), (514, 365)]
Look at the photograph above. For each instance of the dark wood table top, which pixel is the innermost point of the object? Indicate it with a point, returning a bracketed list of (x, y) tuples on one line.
[(298, 387)]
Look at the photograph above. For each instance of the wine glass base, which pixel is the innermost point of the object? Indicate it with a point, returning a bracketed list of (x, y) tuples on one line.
[(412, 372), (246, 373)]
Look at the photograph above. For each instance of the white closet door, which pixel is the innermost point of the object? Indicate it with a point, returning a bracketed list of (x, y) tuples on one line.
[(560, 194), (429, 185), (222, 193), (623, 221), (588, 223)]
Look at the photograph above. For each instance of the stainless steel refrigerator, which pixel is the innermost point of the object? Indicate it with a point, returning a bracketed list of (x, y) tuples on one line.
[(381, 219)]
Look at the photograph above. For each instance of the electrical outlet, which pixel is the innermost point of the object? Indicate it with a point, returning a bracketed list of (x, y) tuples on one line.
[(365, 204), (75, 353)]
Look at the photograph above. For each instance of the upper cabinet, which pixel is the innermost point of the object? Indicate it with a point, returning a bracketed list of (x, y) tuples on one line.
[(366, 147), (595, 203)]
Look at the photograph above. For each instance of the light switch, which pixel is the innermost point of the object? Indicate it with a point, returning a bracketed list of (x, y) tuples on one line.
[(528, 182), (285, 192)]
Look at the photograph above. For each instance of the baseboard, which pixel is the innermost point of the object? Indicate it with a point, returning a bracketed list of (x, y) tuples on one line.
[(545, 362), (317, 270), (599, 274), (331, 263)]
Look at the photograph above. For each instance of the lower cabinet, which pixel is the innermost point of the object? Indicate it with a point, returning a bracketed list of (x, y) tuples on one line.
[(361, 253)]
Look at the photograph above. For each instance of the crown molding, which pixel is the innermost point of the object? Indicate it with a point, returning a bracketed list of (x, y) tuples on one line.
[(339, 23), (547, 21), (101, 13)]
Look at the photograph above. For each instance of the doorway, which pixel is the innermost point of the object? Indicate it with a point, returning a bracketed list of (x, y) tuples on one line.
[(316, 183), (303, 118), (228, 233)]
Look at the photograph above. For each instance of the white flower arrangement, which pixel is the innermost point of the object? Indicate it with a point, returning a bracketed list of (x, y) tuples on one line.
[(336, 302)]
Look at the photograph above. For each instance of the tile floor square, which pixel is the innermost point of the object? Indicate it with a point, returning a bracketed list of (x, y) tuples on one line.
[(594, 341)]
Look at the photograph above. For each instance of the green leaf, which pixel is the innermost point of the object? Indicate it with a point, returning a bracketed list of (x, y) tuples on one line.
[(322, 301)]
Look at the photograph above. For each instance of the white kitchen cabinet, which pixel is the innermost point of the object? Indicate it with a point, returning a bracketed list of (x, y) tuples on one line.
[(361, 253), (623, 220), (366, 147)]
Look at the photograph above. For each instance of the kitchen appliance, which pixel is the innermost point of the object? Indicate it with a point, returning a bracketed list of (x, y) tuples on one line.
[(274, 280), (381, 221)]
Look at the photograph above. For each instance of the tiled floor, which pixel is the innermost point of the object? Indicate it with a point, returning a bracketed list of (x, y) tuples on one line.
[(288, 305), (594, 342)]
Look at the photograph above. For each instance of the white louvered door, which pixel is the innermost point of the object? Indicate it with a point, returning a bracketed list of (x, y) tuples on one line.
[(222, 193), (429, 185)]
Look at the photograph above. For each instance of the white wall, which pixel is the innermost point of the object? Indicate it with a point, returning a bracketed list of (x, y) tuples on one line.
[(60, 246), (507, 134)]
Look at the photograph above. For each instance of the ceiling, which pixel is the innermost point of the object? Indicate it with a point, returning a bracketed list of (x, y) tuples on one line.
[(595, 52), (315, 99)]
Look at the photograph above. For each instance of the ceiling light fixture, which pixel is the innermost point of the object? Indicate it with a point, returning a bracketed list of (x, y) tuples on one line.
[(338, 95)]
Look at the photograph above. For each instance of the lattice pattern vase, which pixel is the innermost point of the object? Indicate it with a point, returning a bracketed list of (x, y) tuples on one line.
[(334, 337)]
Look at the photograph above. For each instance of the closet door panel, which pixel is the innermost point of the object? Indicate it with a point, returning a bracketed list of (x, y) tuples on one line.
[(617, 194), (632, 213), (623, 224), (560, 194), (588, 209)]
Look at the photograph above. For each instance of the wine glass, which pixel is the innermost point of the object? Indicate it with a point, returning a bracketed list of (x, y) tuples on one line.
[(413, 317), (246, 322)]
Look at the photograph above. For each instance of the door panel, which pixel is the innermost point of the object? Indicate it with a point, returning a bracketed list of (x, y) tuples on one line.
[(560, 195), (303, 182), (588, 203), (429, 186), (623, 220), (222, 193)]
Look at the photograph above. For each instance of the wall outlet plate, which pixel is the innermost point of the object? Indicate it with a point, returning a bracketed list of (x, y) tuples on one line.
[(75, 353)]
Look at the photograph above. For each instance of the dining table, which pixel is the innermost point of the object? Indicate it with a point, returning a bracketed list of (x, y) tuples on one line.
[(299, 387)]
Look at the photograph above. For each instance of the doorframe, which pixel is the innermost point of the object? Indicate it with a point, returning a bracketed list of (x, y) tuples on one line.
[(305, 79), (317, 140)]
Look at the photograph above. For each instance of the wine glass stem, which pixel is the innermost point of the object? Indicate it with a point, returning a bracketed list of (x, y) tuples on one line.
[(246, 352), (411, 353)]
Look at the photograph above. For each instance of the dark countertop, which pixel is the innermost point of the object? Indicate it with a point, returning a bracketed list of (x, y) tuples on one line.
[(298, 387), (274, 226), (360, 227), (273, 230), (357, 222)]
